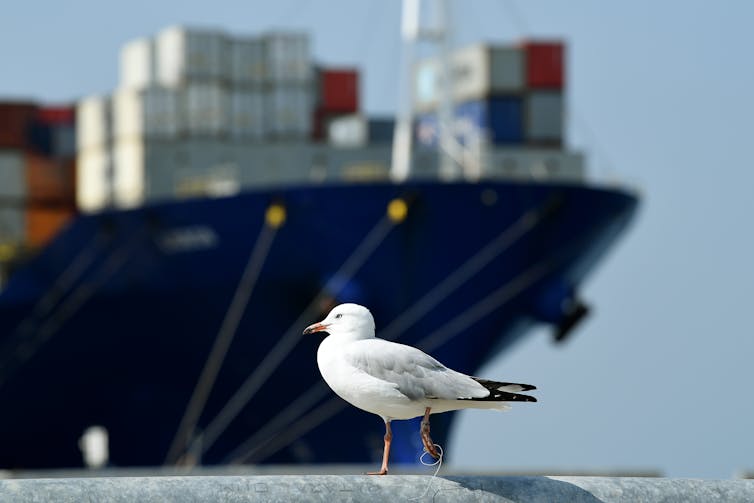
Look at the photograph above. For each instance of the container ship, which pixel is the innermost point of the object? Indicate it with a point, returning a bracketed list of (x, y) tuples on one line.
[(165, 244)]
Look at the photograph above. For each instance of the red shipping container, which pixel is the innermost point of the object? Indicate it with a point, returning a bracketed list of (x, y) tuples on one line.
[(15, 121), (338, 91), (58, 115), (545, 65)]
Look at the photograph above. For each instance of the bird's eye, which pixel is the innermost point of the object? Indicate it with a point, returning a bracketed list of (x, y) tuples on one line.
[(339, 315)]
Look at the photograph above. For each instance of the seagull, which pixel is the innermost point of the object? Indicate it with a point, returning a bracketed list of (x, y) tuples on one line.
[(396, 381)]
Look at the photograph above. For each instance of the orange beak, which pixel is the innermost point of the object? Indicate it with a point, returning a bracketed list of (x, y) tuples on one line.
[(317, 327)]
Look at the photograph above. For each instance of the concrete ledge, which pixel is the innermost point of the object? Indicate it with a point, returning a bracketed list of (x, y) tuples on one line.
[(391, 488)]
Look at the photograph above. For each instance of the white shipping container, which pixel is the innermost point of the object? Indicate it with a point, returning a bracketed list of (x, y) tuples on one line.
[(204, 109), (246, 114), (348, 131), (185, 55), (137, 64), (544, 117), (94, 179), (128, 174), (150, 112), (93, 122), (288, 111), (247, 61), (476, 72), (481, 70), (287, 58)]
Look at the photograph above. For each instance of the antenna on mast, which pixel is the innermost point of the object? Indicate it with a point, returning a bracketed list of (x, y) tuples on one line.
[(437, 34)]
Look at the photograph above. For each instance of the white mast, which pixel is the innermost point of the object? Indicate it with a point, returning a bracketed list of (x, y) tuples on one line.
[(437, 34)]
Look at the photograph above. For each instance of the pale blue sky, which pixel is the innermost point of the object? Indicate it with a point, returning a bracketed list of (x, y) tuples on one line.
[(662, 94)]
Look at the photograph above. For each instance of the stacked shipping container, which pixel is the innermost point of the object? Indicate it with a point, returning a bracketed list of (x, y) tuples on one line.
[(247, 96), (37, 173), (504, 95), (187, 85)]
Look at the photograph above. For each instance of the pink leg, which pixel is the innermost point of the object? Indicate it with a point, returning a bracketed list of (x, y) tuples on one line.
[(386, 450)]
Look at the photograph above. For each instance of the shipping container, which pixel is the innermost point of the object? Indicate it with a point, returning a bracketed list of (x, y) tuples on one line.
[(151, 112), (129, 169), (64, 141), (544, 120), (53, 132), (44, 223), (11, 225), (51, 189), (12, 196), (288, 111), (138, 67), (12, 182), (15, 120), (93, 122), (54, 140), (247, 120), (204, 108), (287, 59), (545, 65), (187, 55), (476, 72), (247, 62), (50, 182), (56, 115), (380, 130), (359, 131), (348, 131), (481, 70), (497, 120), (338, 90), (94, 179)]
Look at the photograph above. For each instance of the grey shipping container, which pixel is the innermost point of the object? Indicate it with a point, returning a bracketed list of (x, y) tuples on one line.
[(247, 62), (12, 194), (544, 118), (186, 55), (287, 58)]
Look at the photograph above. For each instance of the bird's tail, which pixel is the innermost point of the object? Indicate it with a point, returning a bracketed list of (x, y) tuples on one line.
[(505, 391)]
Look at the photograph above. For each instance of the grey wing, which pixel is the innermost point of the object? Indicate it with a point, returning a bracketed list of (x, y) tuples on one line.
[(413, 372)]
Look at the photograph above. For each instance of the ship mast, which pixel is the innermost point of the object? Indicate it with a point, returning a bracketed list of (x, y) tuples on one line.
[(437, 34)]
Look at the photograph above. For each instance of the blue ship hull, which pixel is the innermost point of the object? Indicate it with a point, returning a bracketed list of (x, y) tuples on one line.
[(112, 323)]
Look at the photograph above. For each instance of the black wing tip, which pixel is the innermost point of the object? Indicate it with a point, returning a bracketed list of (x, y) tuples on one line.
[(503, 396), (495, 385)]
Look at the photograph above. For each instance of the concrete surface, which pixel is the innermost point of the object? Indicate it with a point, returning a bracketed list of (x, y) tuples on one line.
[(390, 488)]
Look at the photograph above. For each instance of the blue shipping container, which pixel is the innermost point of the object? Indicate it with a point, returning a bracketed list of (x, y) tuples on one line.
[(498, 120)]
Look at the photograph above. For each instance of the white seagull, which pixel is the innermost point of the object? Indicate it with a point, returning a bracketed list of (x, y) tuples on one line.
[(396, 381)]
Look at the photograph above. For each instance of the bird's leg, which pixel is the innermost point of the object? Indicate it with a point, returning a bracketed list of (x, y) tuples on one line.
[(386, 450), (429, 445)]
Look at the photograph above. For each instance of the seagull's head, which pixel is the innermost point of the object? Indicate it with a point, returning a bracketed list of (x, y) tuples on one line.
[(351, 319)]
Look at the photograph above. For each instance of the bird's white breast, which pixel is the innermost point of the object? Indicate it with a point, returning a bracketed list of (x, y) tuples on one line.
[(359, 388)]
